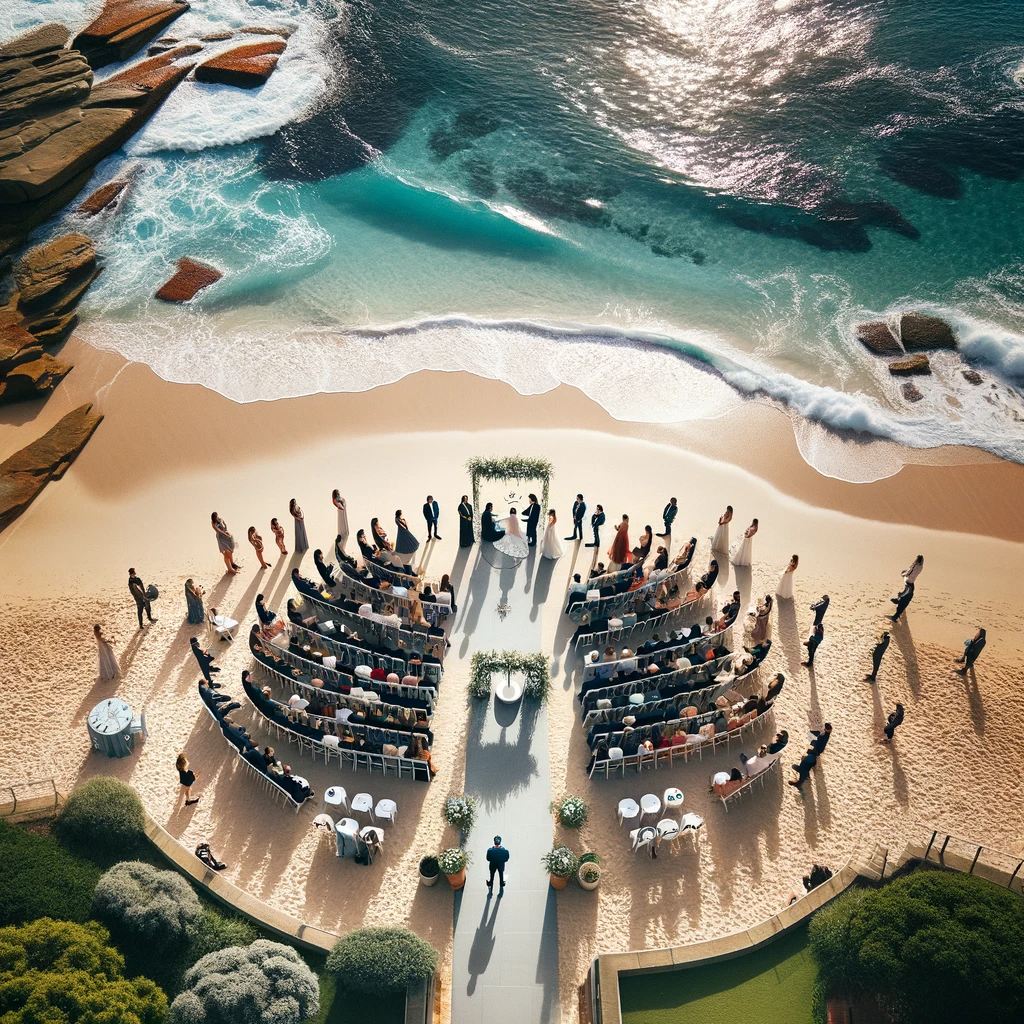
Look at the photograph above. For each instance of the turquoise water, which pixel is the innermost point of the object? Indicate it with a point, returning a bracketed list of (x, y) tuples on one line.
[(673, 204)]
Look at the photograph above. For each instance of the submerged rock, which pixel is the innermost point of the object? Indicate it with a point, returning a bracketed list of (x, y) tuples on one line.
[(919, 331), (246, 67), (972, 376), (911, 392), (917, 363), (877, 335), (124, 27), (105, 196), (191, 277)]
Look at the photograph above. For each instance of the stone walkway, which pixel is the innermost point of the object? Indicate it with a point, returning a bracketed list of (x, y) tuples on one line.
[(506, 950)]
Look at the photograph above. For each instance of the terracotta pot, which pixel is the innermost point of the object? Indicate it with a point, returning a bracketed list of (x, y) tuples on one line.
[(429, 879), (558, 883), (457, 881)]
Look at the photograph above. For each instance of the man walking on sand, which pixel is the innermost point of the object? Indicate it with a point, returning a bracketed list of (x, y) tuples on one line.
[(892, 723), (497, 858), (138, 591), (579, 510)]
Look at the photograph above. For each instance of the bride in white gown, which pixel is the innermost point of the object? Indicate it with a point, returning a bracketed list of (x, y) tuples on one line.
[(513, 543), (552, 546)]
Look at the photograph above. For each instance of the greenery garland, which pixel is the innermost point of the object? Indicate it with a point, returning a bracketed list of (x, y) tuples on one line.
[(533, 666), (512, 467)]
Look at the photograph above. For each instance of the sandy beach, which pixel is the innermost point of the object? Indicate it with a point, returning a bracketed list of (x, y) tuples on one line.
[(167, 455)]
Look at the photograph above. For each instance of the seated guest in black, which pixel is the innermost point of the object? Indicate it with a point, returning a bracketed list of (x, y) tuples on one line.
[(256, 759), (266, 616), (294, 615), (428, 594), (326, 571)]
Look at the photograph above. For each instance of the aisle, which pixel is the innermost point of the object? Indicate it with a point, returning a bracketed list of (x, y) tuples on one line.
[(506, 950)]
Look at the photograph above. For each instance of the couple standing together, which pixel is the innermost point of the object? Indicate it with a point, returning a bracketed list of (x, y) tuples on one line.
[(579, 513)]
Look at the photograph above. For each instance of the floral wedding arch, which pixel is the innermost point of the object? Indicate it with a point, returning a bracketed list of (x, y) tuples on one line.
[(512, 467)]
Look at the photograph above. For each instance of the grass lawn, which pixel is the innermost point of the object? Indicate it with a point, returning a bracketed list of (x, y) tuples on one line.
[(773, 985)]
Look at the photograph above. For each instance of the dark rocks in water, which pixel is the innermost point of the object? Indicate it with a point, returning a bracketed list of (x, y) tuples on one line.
[(911, 392), (318, 147), (787, 222), (871, 213), (469, 125), (481, 177), (922, 174), (190, 278), (124, 27), (106, 196), (246, 67), (917, 363), (919, 332), (835, 236), (547, 197), (972, 376), (266, 30), (699, 258), (877, 335)]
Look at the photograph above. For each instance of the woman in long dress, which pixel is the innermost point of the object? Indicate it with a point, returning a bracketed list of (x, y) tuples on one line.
[(339, 504), (405, 543), (619, 551), (257, 544), (513, 543), (644, 544), (278, 531), (194, 603), (109, 668), (466, 537), (762, 628), (720, 541), (743, 553), (385, 549), (447, 588), (785, 588), (225, 543), (301, 541), (552, 546)]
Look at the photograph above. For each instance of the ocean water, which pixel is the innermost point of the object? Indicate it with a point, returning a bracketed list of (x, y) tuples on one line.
[(674, 205)]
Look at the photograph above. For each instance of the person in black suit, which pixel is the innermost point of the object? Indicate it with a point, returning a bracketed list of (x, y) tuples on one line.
[(204, 658), (901, 600), (138, 591), (488, 531), (431, 512), (579, 510), (819, 608), (466, 537), (497, 858), (596, 522), (876, 657), (532, 518), (668, 515)]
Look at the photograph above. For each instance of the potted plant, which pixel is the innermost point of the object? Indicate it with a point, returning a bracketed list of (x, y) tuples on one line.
[(460, 811), (589, 873), (429, 871), (452, 863), (561, 864), (571, 811)]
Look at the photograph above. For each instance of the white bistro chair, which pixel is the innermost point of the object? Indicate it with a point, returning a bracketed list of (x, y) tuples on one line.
[(386, 810), (345, 831), (649, 804), (335, 796), (629, 810), (362, 803)]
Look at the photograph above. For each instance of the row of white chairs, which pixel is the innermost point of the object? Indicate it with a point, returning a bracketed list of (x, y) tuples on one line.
[(652, 836), (362, 803)]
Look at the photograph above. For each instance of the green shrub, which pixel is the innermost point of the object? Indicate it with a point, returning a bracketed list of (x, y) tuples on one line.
[(104, 818), (429, 867), (143, 902), (42, 879), (932, 946), (59, 971), (381, 960), (571, 811), (219, 931), (590, 858), (452, 860), (561, 862), (264, 983), (460, 811)]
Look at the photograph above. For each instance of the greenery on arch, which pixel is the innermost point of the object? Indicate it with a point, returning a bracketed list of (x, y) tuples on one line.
[(511, 467), (533, 666)]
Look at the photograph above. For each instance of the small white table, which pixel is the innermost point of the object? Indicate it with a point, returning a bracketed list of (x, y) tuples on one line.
[(109, 726), (508, 692), (673, 798)]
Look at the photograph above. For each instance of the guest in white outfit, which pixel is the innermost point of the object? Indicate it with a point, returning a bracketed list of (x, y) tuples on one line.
[(109, 668), (916, 566), (301, 541), (552, 546), (785, 587), (720, 541), (744, 551), (339, 504)]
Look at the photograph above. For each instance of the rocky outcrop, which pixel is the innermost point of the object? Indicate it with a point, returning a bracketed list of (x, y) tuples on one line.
[(191, 277), (124, 27), (33, 379), (106, 196), (247, 67), (877, 336), (911, 392), (45, 270), (28, 471), (919, 332), (917, 363), (972, 376)]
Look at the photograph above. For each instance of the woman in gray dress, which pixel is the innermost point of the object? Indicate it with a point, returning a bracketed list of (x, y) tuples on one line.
[(109, 668), (194, 602), (301, 541), (342, 507), (225, 543)]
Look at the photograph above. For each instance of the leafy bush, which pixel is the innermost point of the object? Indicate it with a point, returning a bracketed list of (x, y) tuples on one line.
[(591, 858), (561, 862), (460, 811), (264, 983), (59, 971), (452, 860), (103, 817), (381, 960), (219, 931), (41, 879), (932, 946), (429, 867), (571, 811), (159, 907)]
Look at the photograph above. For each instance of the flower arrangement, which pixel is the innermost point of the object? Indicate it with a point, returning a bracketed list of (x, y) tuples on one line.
[(533, 666), (561, 862), (512, 467), (460, 811), (571, 811), (452, 860)]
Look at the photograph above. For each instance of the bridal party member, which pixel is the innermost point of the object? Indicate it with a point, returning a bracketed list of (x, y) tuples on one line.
[(339, 504), (488, 531), (109, 668), (743, 555), (466, 537), (278, 531), (720, 541), (301, 541), (785, 588), (225, 543), (551, 546), (406, 544), (257, 543), (619, 551)]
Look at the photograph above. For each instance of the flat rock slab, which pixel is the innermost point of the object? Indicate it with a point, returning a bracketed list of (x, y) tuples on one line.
[(917, 363), (911, 392), (45, 269), (972, 376), (247, 67), (191, 277), (124, 27), (105, 196), (878, 336), (919, 331), (32, 379)]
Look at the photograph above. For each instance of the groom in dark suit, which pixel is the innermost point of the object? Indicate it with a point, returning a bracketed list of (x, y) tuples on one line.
[(579, 510), (532, 519), (597, 521), (431, 512)]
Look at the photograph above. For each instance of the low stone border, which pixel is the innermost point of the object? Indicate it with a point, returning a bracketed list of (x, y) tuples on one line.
[(604, 974)]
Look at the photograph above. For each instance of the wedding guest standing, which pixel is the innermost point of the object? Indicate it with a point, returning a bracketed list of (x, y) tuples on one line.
[(596, 522), (278, 531), (972, 648), (194, 602), (138, 591), (743, 555), (579, 511), (405, 543), (466, 537), (532, 515), (257, 545), (720, 541), (812, 643), (819, 608), (876, 657), (109, 668), (187, 778), (445, 587), (301, 541), (431, 513), (785, 587), (915, 569), (668, 515), (552, 546), (339, 504), (893, 722), (901, 600), (225, 543), (762, 628), (619, 551)]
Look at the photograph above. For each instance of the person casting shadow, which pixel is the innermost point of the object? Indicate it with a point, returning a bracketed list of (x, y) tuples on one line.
[(483, 943)]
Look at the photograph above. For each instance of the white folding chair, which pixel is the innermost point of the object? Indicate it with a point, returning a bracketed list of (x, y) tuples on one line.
[(628, 810), (331, 745), (139, 725), (386, 810), (649, 804), (641, 837), (362, 803), (691, 823)]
